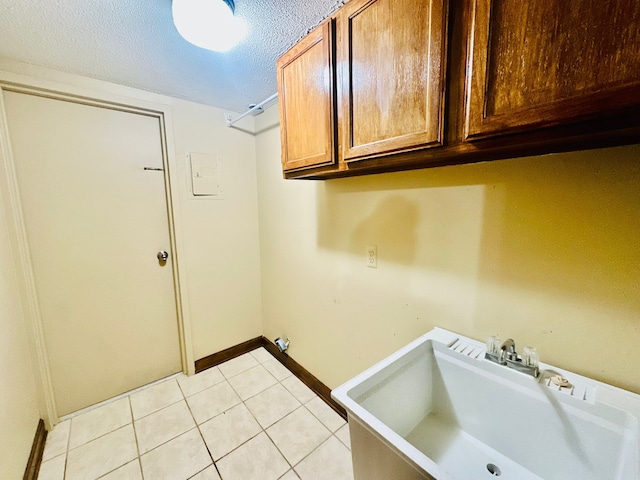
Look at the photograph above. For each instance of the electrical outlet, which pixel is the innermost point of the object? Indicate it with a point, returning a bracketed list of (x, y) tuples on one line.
[(372, 256)]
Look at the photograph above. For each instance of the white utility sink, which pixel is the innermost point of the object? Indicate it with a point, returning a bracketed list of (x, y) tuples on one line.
[(438, 409)]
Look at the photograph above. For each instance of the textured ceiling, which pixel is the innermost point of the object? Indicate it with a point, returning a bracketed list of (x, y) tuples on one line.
[(134, 43)]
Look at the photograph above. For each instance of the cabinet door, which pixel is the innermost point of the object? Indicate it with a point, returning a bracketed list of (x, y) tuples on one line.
[(307, 101), (391, 87), (546, 63)]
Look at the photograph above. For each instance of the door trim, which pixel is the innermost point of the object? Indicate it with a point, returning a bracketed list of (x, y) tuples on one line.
[(17, 231)]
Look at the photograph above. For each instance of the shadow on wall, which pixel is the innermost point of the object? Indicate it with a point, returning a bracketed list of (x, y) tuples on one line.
[(562, 225), (392, 223)]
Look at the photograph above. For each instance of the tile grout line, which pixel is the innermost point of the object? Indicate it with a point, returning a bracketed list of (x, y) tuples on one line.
[(317, 448), (304, 405), (72, 415), (313, 449), (66, 452), (132, 422), (264, 430), (184, 399), (335, 435), (213, 462), (243, 402), (140, 467), (156, 411), (135, 436), (119, 466)]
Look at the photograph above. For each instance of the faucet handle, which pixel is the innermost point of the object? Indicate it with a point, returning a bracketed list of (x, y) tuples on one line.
[(530, 357), (493, 345)]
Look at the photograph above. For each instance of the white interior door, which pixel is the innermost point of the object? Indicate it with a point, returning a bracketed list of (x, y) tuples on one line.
[(95, 220)]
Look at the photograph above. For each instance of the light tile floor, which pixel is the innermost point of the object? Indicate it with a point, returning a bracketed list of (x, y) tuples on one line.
[(248, 418)]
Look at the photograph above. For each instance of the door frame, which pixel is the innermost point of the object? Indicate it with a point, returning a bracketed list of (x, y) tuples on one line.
[(134, 102)]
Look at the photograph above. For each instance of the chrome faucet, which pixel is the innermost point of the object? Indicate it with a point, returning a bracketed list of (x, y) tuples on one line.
[(504, 353), (507, 351)]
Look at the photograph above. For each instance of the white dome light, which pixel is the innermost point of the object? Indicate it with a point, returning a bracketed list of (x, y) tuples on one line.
[(208, 24)]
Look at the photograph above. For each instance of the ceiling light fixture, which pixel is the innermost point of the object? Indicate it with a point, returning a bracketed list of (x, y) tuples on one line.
[(208, 24)]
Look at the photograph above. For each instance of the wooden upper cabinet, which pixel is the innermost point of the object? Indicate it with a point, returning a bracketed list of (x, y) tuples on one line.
[(534, 64), (391, 55), (307, 101)]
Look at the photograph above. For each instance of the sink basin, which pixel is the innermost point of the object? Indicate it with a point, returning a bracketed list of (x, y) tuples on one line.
[(437, 409)]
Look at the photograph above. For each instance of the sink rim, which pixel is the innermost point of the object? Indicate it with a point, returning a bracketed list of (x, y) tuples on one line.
[(605, 395)]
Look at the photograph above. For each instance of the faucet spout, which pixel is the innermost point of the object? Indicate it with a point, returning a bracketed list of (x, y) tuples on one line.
[(507, 351)]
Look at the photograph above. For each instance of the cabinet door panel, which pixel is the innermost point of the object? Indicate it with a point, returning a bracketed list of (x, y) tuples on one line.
[(538, 64), (392, 75), (307, 98)]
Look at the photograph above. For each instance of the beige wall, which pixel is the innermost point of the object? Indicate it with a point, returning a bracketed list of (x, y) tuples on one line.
[(221, 261), (19, 413), (220, 236), (221, 268), (545, 250)]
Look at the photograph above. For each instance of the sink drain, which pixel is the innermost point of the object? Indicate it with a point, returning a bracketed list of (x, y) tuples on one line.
[(493, 470)]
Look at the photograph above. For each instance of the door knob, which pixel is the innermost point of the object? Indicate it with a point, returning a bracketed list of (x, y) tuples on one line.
[(162, 256)]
